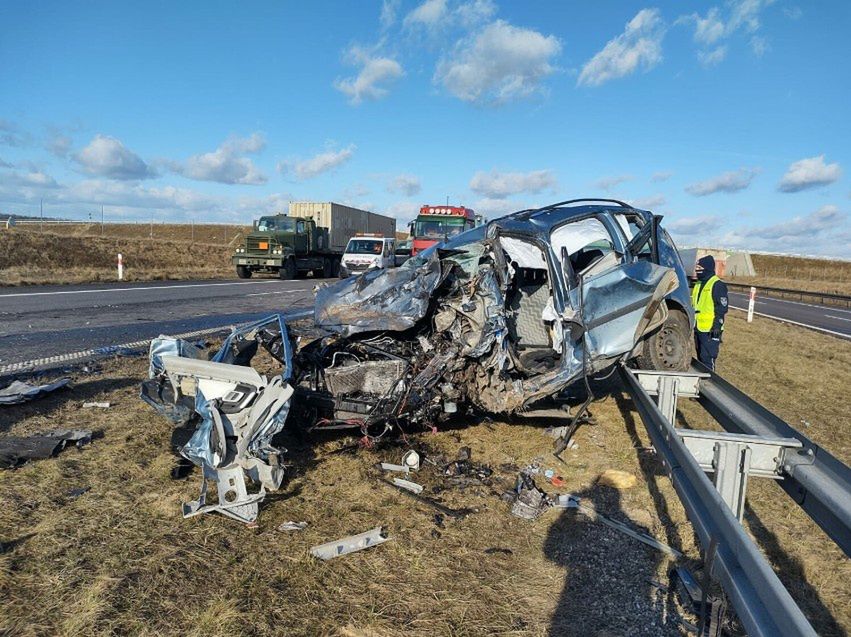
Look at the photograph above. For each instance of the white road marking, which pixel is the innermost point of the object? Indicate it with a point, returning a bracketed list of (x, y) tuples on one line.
[(785, 320), (769, 299), (153, 287), (839, 318)]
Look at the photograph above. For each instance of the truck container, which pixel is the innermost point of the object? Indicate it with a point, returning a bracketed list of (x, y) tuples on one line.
[(343, 222), (311, 238)]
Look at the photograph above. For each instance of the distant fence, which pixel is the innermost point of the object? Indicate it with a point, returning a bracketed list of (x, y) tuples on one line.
[(820, 298)]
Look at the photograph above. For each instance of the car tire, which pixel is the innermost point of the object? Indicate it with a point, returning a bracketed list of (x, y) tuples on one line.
[(243, 272), (668, 348), (288, 270)]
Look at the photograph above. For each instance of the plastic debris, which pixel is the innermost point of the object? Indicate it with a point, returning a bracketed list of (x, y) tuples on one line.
[(97, 405), (293, 526), (16, 450), (350, 544), (413, 487), (18, 392)]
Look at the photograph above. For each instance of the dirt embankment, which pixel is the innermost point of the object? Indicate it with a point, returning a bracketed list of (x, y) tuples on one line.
[(799, 273), (78, 255)]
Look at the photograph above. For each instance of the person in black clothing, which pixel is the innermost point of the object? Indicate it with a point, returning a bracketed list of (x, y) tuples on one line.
[(709, 299)]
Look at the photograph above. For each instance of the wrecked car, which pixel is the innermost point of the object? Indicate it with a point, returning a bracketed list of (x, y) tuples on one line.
[(492, 321)]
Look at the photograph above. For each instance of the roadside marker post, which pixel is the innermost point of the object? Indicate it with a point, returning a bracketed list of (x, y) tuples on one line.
[(120, 267), (751, 302)]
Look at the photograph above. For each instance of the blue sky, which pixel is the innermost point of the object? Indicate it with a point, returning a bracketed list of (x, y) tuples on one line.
[(730, 118)]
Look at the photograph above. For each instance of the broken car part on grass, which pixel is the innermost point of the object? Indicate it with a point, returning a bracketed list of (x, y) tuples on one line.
[(20, 392), (16, 450), (491, 321)]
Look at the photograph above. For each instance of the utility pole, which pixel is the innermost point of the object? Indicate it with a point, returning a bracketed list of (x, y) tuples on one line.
[(152, 226), (192, 221), (101, 220), (41, 209)]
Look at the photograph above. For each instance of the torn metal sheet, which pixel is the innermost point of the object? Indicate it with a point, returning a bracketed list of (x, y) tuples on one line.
[(235, 411), (19, 392), (16, 450), (350, 544)]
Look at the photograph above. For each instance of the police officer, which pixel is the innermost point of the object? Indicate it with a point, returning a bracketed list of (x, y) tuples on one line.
[(709, 299)]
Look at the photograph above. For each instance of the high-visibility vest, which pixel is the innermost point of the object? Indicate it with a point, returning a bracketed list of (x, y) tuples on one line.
[(704, 307)]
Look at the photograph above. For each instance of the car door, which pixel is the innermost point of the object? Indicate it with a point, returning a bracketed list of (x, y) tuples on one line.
[(614, 297)]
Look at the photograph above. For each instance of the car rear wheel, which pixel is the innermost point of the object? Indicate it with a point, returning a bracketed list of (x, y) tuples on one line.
[(669, 347), (287, 271), (243, 272)]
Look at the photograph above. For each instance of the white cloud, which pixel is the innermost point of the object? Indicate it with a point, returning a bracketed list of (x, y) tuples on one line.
[(499, 185), (499, 64), (226, 165), (711, 29), (662, 175), (437, 16), (493, 208), (712, 57), (35, 179), (793, 13), (408, 185), (12, 135), (107, 157), (687, 226), (607, 183), (389, 10), (729, 182), (809, 173), (759, 45), (59, 145), (429, 13), (648, 203), (318, 164), (639, 45), (376, 72), (825, 231)]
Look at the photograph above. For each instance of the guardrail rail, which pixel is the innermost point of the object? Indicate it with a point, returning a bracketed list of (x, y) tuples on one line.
[(822, 298), (756, 443)]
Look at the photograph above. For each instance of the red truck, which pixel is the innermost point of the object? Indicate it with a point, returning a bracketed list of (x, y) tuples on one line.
[(439, 223)]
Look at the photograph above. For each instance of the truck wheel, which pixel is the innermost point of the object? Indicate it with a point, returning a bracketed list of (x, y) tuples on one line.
[(287, 271), (669, 347), (243, 272), (327, 268)]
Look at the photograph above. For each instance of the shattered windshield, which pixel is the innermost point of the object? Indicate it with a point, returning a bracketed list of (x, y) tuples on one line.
[(270, 224), (364, 246), (438, 228)]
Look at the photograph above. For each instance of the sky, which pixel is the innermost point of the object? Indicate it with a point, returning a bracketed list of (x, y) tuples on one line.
[(729, 118)]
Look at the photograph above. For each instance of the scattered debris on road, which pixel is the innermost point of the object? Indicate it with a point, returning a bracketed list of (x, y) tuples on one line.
[(413, 487), (103, 405), (20, 392)]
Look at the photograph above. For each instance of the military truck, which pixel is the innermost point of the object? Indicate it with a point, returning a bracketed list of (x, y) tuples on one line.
[(311, 238)]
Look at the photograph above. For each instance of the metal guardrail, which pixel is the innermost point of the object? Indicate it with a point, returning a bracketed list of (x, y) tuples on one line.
[(815, 479), (823, 298), (762, 603)]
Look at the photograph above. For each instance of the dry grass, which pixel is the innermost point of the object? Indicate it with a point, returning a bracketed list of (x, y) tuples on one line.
[(29, 257), (800, 273), (120, 559)]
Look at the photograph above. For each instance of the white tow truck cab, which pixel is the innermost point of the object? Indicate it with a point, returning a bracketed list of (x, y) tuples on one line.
[(367, 252)]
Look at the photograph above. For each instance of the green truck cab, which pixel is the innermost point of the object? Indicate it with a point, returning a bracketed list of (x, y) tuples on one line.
[(288, 246)]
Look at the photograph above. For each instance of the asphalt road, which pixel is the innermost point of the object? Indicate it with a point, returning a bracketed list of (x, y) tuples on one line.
[(824, 318), (42, 321)]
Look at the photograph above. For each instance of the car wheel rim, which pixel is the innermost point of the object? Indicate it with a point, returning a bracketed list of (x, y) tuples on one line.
[(669, 348)]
